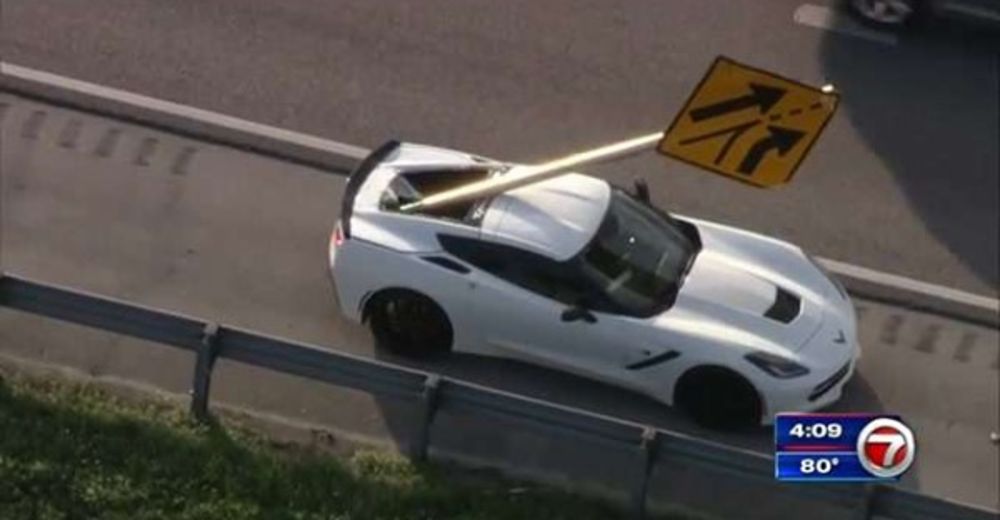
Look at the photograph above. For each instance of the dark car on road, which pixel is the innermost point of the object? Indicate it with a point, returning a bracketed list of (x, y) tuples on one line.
[(900, 13)]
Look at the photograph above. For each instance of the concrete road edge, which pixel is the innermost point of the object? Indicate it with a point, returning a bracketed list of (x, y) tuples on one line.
[(180, 119)]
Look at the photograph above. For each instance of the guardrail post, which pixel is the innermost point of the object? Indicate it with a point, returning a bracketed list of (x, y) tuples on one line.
[(866, 507), (203, 371), (647, 450), (429, 401)]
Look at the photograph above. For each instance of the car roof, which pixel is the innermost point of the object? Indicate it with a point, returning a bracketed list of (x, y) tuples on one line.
[(555, 217)]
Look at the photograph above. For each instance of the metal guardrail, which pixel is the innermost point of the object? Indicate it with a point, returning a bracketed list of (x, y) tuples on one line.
[(647, 447)]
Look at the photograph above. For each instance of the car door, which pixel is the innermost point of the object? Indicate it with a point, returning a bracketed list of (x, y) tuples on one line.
[(520, 298)]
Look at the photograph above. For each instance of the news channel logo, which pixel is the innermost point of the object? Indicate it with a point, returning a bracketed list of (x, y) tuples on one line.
[(827, 447)]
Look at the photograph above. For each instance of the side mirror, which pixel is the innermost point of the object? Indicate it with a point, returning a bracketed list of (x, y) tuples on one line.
[(641, 189), (576, 313)]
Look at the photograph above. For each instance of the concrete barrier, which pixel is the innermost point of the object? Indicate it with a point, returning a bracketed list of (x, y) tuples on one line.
[(915, 294), (341, 158), (180, 119)]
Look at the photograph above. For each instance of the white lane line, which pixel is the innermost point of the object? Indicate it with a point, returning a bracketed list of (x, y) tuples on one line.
[(833, 20)]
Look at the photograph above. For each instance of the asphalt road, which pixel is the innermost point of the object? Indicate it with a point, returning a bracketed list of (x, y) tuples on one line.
[(905, 179), (164, 221)]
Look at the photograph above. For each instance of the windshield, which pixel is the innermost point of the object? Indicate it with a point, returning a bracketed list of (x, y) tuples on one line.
[(638, 257)]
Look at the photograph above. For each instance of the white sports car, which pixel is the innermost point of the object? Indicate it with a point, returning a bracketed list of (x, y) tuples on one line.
[(579, 275)]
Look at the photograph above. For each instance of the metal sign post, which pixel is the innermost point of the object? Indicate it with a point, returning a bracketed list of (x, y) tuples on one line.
[(524, 175), (745, 123)]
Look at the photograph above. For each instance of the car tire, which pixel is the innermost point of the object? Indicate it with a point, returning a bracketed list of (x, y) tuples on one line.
[(886, 14), (409, 324), (718, 398)]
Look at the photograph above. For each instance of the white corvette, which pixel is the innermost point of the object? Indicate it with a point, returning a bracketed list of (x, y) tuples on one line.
[(578, 275)]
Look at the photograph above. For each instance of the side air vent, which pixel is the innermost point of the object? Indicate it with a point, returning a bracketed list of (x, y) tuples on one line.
[(786, 307), (447, 263)]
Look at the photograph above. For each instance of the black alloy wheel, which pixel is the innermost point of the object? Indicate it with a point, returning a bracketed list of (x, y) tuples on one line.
[(409, 324)]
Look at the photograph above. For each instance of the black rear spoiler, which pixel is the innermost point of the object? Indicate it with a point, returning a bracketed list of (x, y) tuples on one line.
[(357, 178)]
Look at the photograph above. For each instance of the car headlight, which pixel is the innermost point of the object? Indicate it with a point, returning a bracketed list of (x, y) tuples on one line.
[(777, 366)]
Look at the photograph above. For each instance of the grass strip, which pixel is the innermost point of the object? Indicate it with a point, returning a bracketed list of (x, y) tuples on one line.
[(74, 451)]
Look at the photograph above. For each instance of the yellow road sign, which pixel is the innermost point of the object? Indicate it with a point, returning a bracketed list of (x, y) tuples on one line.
[(748, 124)]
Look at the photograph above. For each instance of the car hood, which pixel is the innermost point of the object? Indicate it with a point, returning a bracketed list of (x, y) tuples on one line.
[(753, 289)]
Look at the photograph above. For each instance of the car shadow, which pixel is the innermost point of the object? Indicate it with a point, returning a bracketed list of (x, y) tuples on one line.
[(928, 109)]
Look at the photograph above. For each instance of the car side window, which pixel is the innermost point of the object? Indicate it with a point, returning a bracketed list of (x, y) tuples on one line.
[(531, 271)]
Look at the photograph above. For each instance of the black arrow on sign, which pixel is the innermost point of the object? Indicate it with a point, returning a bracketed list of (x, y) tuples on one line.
[(781, 139), (734, 133), (762, 96)]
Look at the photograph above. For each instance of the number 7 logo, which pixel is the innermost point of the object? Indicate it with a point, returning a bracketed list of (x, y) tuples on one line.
[(886, 447)]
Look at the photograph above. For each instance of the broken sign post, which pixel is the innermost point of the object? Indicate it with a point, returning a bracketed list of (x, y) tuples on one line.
[(742, 122), (530, 174)]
